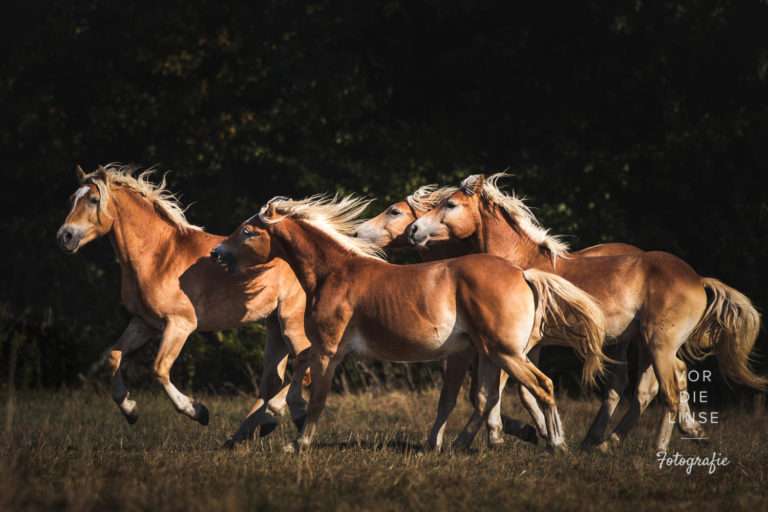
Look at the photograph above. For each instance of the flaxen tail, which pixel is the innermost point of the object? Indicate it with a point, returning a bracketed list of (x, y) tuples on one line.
[(730, 326), (566, 312)]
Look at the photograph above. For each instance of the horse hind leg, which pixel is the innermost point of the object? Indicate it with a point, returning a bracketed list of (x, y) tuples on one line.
[(493, 423), (665, 367), (537, 415), (686, 418), (527, 432), (617, 379), (542, 388)]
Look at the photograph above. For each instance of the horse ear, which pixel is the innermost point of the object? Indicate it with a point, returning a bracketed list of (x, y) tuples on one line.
[(80, 173), (269, 210), (473, 184)]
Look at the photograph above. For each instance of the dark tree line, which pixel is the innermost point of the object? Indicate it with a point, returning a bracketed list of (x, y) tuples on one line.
[(625, 121)]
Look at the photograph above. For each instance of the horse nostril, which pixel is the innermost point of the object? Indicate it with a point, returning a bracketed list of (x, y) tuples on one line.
[(66, 236)]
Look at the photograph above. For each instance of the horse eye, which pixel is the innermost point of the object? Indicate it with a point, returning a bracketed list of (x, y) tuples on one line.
[(451, 204), (394, 212), (248, 233), (93, 200)]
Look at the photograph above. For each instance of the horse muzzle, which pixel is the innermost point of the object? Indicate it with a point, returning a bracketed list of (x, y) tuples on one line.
[(224, 258), (417, 237), (69, 239)]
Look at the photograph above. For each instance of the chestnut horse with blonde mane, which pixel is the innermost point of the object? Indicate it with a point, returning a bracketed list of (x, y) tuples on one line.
[(651, 296), (172, 288), (424, 312), (389, 230)]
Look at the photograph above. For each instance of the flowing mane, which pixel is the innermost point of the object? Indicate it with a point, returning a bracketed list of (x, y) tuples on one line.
[(519, 211), (165, 202), (429, 196), (336, 216)]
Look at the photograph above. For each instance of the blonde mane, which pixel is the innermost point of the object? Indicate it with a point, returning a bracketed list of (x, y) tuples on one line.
[(108, 176), (518, 210), (336, 216), (429, 196)]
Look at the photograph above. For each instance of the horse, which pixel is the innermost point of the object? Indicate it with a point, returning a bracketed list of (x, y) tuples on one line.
[(654, 296), (359, 303), (389, 230), (172, 289)]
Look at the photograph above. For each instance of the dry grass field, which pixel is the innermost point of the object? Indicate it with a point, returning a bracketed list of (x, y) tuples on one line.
[(71, 450)]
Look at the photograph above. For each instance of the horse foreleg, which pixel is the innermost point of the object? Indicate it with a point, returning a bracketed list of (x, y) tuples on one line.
[(263, 415), (175, 335), (135, 335), (322, 365), (291, 313), (645, 391), (456, 367)]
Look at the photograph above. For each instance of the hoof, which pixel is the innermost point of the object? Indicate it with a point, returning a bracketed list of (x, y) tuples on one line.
[(557, 450), (529, 435), (201, 414), (495, 442), (229, 444), (131, 417), (266, 429), (460, 445), (292, 447), (129, 411), (604, 447), (299, 422)]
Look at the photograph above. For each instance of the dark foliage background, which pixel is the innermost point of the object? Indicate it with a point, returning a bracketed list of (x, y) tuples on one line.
[(624, 121)]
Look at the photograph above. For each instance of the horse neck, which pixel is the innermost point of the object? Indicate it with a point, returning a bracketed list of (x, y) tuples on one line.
[(141, 238), (312, 254), (498, 235)]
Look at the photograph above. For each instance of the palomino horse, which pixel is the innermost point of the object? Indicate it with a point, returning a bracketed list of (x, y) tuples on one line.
[(362, 304), (172, 288), (388, 230), (653, 296)]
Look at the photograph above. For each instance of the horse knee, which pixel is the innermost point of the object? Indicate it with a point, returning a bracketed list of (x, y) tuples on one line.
[(114, 360)]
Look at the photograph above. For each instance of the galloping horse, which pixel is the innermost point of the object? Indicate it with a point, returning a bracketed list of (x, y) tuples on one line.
[(389, 230), (172, 288), (653, 296), (362, 304)]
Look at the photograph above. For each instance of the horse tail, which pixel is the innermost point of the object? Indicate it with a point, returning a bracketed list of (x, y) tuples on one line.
[(566, 312), (729, 326)]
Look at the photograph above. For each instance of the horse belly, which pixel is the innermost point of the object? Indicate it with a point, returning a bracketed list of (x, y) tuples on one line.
[(428, 343)]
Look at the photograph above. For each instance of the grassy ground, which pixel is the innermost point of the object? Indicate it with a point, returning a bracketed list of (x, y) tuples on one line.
[(73, 451)]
